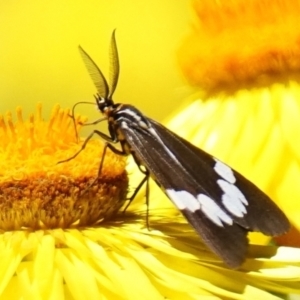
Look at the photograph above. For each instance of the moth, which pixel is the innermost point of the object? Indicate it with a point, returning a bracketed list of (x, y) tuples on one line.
[(220, 203)]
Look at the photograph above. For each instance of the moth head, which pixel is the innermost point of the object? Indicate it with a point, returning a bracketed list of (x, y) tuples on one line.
[(103, 103)]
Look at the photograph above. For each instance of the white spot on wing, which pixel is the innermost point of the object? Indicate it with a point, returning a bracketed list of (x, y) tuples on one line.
[(224, 171), (233, 199), (213, 211), (183, 200)]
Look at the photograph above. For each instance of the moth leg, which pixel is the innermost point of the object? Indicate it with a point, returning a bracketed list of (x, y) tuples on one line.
[(143, 181), (107, 144), (113, 149), (147, 202), (87, 124), (94, 122), (104, 136), (146, 178), (136, 191)]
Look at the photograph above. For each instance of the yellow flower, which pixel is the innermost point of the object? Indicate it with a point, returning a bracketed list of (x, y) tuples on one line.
[(66, 252), (36, 192), (244, 57), (238, 42)]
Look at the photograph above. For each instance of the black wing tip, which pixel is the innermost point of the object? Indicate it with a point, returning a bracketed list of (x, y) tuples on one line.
[(235, 263), (272, 221), (263, 214), (229, 242), (276, 228)]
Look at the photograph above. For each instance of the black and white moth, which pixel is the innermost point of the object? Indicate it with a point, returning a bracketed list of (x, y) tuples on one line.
[(221, 204)]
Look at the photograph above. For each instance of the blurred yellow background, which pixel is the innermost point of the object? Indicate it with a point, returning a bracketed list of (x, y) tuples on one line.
[(39, 58)]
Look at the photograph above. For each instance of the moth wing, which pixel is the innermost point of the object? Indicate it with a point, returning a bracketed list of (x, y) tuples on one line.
[(229, 241), (262, 215)]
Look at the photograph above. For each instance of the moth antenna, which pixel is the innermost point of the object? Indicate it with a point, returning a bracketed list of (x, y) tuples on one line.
[(74, 122), (72, 116), (96, 74), (114, 66)]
